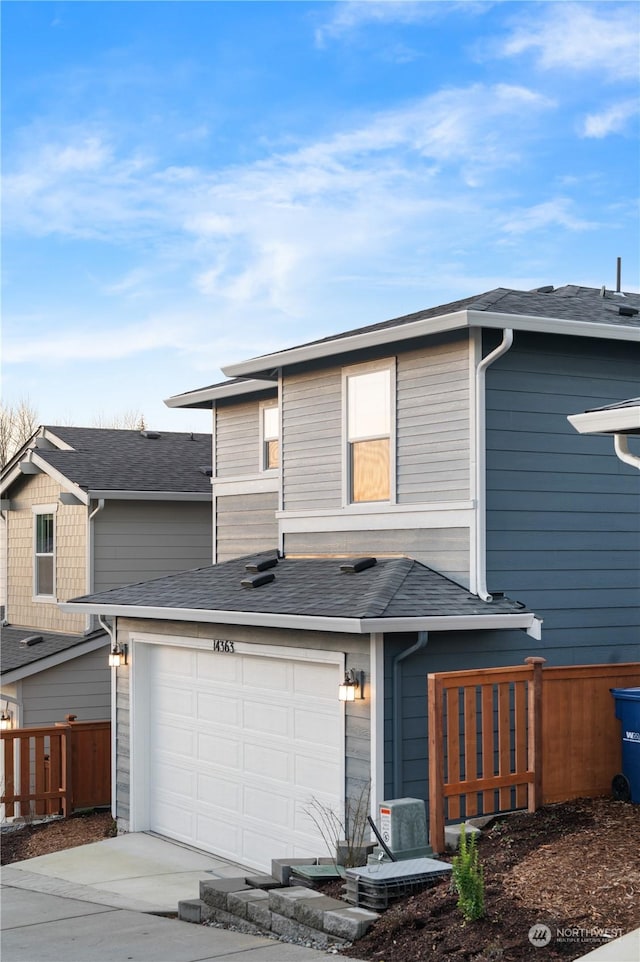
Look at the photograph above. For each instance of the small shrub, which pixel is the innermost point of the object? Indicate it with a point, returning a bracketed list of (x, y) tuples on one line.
[(468, 878)]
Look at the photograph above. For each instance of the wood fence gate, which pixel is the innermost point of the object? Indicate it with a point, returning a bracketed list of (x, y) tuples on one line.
[(507, 738), (56, 770)]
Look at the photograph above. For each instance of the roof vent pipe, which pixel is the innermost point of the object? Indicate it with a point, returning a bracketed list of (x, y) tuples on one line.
[(618, 274)]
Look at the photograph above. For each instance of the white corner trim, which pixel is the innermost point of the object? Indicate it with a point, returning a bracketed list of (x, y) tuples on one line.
[(267, 482), (376, 700)]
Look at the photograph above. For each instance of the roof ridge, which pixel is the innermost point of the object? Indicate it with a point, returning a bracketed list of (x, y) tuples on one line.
[(393, 576)]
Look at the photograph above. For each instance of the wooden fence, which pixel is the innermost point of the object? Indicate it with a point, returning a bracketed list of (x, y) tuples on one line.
[(524, 736), (56, 770)]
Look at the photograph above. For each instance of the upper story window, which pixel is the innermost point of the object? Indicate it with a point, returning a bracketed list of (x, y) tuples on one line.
[(270, 429), (369, 426), (44, 553)]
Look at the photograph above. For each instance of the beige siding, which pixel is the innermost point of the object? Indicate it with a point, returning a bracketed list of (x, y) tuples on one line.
[(433, 413), (137, 540), (358, 714), (246, 523), (81, 686), (312, 432), (446, 550), (237, 439), (71, 559)]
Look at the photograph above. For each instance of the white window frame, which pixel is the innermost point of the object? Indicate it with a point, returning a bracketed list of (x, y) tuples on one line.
[(369, 367), (39, 510), (264, 406)]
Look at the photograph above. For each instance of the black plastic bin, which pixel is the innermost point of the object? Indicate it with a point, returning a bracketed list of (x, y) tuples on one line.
[(626, 785)]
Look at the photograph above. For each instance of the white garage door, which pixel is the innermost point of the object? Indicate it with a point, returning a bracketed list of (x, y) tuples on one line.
[(240, 745)]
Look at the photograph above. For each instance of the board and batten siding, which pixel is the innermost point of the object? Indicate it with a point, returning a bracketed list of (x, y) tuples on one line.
[(358, 713), (312, 440), (81, 686), (70, 556), (563, 512), (136, 540), (433, 418), (245, 524), (237, 439)]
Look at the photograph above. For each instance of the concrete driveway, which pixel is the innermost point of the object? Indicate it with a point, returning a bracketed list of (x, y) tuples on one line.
[(95, 903)]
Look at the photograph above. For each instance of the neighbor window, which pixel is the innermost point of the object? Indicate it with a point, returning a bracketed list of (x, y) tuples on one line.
[(369, 435), (44, 569), (270, 438)]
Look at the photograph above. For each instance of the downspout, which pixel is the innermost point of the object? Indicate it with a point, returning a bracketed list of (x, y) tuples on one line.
[(112, 632), (481, 465), (621, 447), (5, 558), (90, 557), (398, 754)]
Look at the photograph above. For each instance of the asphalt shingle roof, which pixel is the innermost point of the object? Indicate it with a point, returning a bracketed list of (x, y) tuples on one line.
[(393, 588), (15, 655), (117, 460)]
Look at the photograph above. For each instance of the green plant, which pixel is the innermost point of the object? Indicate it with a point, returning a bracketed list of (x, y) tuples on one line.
[(468, 878)]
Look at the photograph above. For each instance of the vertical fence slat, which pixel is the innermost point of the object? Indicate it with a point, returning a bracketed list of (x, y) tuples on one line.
[(25, 773), (39, 773), (55, 772), (470, 747), (520, 720), (504, 741), (453, 748), (9, 776), (488, 766), (534, 793)]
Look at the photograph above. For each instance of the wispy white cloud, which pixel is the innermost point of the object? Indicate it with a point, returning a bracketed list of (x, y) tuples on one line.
[(580, 37), (552, 213), (347, 16), (614, 120)]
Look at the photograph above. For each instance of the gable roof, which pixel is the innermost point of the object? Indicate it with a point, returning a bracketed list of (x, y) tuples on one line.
[(394, 594), (54, 648), (106, 462), (571, 310)]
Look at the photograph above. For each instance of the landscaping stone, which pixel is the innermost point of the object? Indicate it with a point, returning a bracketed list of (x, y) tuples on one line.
[(311, 911), (237, 902), (215, 893), (289, 929), (233, 922), (260, 914), (190, 910), (265, 882), (281, 867), (349, 923), (283, 901), (452, 834)]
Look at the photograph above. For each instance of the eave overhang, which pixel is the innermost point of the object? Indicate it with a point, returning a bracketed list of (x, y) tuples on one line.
[(52, 661), (359, 626), (619, 420), (206, 396), (425, 327)]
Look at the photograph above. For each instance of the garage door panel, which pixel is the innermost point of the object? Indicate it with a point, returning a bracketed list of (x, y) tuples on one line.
[(256, 739), (223, 752)]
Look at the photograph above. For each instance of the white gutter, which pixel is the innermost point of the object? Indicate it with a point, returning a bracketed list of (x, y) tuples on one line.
[(481, 465), (614, 420), (151, 495), (621, 447), (525, 620), (206, 394)]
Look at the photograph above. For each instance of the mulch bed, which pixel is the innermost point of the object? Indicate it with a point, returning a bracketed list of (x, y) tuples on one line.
[(42, 838)]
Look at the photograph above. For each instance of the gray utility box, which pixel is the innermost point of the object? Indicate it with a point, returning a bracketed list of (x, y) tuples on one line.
[(402, 823)]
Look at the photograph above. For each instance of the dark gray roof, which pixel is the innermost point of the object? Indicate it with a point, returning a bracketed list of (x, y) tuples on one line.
[(633, 402), (107, 459), (393, 588), (14, 655)]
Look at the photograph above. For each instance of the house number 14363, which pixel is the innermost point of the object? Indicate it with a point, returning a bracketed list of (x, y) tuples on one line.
[(219, 645)]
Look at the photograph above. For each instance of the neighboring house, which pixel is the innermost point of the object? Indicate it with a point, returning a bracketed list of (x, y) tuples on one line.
[(87, 509), (622, 421), (436, 443)]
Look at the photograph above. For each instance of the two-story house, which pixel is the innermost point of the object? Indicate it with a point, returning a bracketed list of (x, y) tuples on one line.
[(85, 509), (429, 505)]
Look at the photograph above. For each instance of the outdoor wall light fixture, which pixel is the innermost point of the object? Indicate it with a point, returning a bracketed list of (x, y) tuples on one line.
[(5, 721), (353, 682), (118, 656)]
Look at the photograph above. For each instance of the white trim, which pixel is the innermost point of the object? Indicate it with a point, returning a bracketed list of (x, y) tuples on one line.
[(150, 495), (613, 421), (55, 440), (354, 370), (58, 476), (475, 356), (621, 330), (37, 510), (263, 406), (376, 686), (265, 483), (200, 396), (52, 661), (308, 622), (375, 516)]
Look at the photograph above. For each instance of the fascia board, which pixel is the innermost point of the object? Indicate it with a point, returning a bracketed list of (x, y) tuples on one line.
[(554, 325), (204, 396), (616, 421), (343, 345), (53, 473), (49, 435), (358, 626), (150, 495), (52, 661)]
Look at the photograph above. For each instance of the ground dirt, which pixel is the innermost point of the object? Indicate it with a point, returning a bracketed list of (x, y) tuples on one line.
[(574, 867)]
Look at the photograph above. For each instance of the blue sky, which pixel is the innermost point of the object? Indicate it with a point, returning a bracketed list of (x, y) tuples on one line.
[(187, 184)]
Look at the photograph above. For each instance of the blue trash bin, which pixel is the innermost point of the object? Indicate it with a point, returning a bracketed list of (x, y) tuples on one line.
[(626, 785)]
